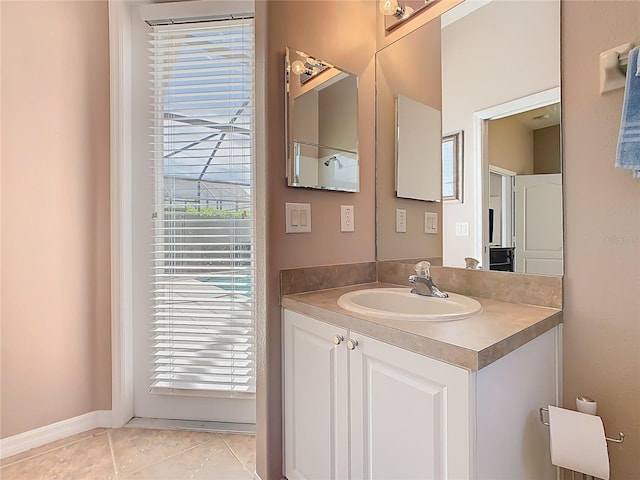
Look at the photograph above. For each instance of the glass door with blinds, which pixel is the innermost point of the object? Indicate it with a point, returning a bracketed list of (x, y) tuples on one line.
[(200, 342)]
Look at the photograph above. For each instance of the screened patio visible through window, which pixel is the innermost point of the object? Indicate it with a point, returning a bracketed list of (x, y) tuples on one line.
[(202, 79)]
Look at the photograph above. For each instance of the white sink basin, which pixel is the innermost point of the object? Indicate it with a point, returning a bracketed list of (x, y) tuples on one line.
[(401, 304)]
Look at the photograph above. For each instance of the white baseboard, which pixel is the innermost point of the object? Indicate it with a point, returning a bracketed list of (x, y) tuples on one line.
[(56, 431)]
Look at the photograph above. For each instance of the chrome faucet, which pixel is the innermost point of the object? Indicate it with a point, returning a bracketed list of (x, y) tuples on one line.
[(422, 282)]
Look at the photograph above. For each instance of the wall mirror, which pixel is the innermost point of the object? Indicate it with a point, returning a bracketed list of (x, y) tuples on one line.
[(418, 150), (321, 124), (498, 59), (408, 145)]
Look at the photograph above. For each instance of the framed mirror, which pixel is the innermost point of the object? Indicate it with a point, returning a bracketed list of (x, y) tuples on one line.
[(418, 150), (321, 124)]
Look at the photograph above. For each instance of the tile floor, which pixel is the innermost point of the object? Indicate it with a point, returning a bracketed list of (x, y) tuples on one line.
[(137, 453)]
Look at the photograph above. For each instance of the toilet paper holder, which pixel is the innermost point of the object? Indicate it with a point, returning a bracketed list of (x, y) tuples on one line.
[(545, 421)]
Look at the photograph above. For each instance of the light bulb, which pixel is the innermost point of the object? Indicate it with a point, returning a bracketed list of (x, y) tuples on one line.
[(388, 7), (298, 67)]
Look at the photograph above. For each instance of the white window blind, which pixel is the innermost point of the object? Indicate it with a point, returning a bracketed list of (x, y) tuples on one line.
[(202, 79)]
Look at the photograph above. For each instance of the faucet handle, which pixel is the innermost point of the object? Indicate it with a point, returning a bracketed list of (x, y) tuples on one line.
[(422, 269)]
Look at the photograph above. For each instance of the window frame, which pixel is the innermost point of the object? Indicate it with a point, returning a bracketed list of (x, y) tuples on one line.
[(456, 141)]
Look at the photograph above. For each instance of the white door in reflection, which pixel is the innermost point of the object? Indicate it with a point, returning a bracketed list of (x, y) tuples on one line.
[(538, 205)]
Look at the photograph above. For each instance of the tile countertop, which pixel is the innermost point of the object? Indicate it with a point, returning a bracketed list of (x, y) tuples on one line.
[(471, 343)]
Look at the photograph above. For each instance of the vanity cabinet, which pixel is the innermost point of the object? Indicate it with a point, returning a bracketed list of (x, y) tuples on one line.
[(316, 410), (407, 413), (356, 407)]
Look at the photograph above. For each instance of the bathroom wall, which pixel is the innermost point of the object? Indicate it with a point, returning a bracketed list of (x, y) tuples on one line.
[(56, 358), (602, 231), (342, 34), (511, 145), (338, 115), (547, 152)]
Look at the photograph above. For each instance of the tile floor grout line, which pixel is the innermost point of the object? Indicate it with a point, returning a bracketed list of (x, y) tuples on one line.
[(113, 455), (163, 459), (234, 454), (46, 452)]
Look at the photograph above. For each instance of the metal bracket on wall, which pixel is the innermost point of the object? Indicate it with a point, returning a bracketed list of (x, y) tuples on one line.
[(613, 67)]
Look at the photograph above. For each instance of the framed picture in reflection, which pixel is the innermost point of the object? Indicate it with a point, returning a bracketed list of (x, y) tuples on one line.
[(452, 166)]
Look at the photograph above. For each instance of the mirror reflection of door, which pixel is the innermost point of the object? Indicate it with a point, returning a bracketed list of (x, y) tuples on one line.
[(525, 192), (538, 229)]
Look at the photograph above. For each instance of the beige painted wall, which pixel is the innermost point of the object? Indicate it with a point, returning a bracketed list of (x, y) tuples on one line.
[(511, 145), (602, 232), (338, 115), (56, 359), (546, 150)]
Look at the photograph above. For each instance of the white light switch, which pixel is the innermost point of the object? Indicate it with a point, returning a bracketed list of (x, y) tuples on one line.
[(401, 220), (430, 222), (298, 217), (462, 229)]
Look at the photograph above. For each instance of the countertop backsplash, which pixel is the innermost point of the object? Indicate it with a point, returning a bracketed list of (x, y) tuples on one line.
[(541, 290)]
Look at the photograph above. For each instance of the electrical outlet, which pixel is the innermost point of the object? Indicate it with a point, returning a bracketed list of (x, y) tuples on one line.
[(347, 223), (401, 220)]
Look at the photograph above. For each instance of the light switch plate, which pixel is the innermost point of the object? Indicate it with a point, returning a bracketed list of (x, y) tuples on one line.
[(401, 220), (346, 218), (298, 217), (462, 229), (430, 222)]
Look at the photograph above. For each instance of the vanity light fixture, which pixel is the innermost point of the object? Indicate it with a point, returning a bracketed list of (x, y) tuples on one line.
[(391, 7)]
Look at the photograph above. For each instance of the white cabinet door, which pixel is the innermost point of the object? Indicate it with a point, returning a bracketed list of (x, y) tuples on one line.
[(409, 415), (315, 400)]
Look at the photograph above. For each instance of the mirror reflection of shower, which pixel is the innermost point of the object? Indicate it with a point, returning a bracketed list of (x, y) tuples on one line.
[(333, 158)]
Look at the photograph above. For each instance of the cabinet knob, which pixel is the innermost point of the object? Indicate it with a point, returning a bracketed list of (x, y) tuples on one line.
[(352, 344), (337, 339)]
